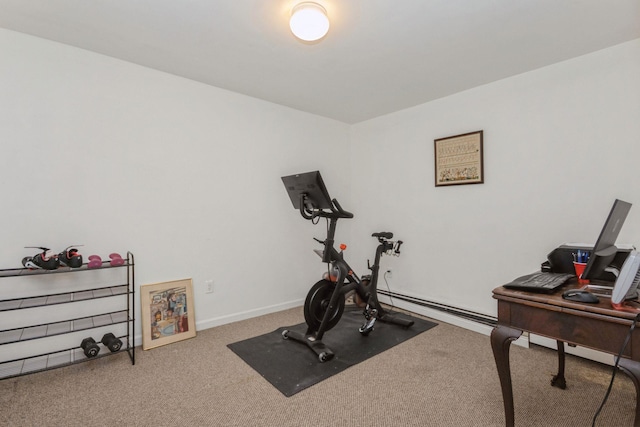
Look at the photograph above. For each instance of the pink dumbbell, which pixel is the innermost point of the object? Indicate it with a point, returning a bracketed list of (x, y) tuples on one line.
[(116, 259), (94, 261)]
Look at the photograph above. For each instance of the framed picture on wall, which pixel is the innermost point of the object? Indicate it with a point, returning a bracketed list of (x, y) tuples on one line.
[(459, 159), (167, 313)]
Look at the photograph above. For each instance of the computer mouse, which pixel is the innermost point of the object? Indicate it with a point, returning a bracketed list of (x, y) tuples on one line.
[(580, 295)]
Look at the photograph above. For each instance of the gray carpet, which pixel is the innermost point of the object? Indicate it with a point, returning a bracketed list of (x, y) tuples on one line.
[(446, 377)]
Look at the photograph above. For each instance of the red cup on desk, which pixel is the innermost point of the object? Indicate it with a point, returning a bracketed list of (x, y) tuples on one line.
[(579, 266)]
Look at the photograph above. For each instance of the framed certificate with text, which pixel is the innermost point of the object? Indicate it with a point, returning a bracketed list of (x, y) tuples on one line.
[(459, 160)]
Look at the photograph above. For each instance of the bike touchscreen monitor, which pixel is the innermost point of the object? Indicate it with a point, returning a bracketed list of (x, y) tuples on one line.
[(311, 185)]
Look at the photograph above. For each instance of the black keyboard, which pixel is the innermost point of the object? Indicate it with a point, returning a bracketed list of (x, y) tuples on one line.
[(540, 282)]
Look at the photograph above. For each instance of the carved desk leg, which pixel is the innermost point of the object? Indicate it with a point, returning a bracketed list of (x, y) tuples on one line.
[(501, 338), (632, 369), (558, 380)]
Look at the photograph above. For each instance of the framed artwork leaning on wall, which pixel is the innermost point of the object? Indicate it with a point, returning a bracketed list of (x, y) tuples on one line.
[(167, 313)]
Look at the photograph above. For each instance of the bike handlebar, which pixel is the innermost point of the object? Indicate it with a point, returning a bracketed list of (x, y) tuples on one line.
[(342, 213), (310, 212)]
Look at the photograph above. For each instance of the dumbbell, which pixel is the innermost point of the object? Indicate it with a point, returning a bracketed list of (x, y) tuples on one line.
[(94, 261), (112, 342), (116, 259), (90, 348)]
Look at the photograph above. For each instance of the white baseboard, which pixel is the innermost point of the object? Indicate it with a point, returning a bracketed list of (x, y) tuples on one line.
[(235, 317), (523, 341), (583, 352), (451, 319), (223, 320)]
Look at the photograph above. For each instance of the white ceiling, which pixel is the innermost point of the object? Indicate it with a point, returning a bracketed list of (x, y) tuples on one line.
[(380, 56)]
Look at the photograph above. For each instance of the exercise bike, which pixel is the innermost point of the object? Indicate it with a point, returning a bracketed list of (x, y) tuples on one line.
[(325, 302)]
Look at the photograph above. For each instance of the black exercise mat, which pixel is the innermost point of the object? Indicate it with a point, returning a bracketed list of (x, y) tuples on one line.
[(291, 366)]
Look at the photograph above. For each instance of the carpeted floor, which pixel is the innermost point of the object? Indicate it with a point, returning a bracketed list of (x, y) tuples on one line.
[(445, 377)]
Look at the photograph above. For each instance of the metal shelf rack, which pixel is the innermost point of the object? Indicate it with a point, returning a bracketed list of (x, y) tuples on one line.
[(68, 356)]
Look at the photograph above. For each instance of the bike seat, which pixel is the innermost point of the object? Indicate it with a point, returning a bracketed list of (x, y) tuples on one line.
[(383, 234)]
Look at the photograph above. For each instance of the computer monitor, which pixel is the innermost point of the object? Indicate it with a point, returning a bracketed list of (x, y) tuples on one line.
[(311, 186), (605, 250)]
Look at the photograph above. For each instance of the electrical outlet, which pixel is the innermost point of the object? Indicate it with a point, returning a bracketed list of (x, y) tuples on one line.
[(389, 273), (208, 286)]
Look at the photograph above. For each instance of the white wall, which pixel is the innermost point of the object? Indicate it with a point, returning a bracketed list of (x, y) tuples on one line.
[(560, 144), (117, 157)]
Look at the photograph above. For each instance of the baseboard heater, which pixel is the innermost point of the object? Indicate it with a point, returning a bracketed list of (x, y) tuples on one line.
[(466, 314)]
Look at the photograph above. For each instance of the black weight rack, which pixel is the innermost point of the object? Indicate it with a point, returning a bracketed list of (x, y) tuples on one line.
[(43, 361)]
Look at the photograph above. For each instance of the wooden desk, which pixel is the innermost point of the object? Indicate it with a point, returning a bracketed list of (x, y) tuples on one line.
[(595, 326)]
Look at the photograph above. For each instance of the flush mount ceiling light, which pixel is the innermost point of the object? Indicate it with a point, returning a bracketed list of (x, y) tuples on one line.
[(309, 21)]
